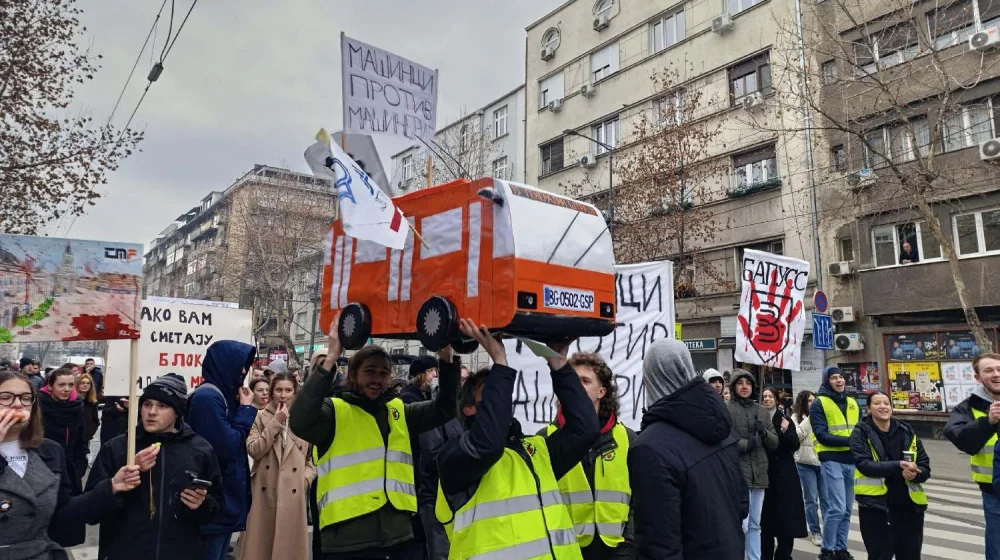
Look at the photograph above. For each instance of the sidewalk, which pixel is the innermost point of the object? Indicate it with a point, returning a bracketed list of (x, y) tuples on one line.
[(947, 462)]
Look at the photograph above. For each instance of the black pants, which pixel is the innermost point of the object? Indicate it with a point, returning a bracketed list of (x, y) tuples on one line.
[(899, 532), (782, 552), (409, 550)]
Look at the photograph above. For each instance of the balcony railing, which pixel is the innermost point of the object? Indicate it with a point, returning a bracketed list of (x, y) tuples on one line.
[(752, 188)]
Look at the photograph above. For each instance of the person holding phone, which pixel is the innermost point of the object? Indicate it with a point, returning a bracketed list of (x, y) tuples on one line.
[(280, 477), (180, 488), (890, 469)]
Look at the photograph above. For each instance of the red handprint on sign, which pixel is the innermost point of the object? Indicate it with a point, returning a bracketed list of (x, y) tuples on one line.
[(766, 325)]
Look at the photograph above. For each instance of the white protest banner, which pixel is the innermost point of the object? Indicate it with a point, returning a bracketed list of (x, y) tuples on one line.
[(387, 94), (645, 294), (174, 337), (772, 322), (365, 210)]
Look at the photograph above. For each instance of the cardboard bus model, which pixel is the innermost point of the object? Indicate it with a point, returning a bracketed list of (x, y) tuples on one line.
[(517, 259)]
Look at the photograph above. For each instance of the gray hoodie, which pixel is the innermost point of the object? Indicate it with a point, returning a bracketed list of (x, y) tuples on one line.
[(666, 368)]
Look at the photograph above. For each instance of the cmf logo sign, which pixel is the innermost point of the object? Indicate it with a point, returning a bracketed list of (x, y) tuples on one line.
[(120, 254)]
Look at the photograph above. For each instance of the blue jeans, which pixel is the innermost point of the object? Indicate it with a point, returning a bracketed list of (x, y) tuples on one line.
[(836, 499), (215, 547), (751, 525), (991, 511), (811, 484)]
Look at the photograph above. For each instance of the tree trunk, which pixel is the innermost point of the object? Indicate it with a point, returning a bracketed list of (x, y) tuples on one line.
[(971, 316)]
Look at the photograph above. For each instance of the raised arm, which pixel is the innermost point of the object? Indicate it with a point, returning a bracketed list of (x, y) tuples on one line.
[(312, 417), (568, 445)]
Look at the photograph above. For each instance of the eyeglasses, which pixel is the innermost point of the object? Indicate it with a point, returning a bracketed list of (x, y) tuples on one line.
[(7, 399)]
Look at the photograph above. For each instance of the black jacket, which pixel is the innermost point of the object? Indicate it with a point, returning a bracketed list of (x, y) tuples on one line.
[(783, 514), (63, 423), (150, 522), (427, 484), (464, 461), (887, 465), (688, 493), (114, 422), (970, 434)]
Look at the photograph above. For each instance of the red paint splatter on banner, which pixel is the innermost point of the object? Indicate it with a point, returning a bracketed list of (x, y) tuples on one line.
[(768, 333), (101, 327)]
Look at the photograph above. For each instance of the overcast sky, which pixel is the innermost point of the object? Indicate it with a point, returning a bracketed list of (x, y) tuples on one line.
[(251, 82)]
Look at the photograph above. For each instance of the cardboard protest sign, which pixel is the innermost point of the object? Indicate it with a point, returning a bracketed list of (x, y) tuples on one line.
[(175, 336), (387, 94), (772, 321), (68, 290), (645, 314)]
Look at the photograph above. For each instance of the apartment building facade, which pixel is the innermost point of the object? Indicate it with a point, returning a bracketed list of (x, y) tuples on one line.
[(590, 87), (486, 142)]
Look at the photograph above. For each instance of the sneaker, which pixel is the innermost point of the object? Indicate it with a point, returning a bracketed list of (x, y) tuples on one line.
[(842, 555), (817, 539), (827, 555)]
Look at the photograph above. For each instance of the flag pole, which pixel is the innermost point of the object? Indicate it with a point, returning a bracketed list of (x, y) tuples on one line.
[(133, 401), (430, 169)]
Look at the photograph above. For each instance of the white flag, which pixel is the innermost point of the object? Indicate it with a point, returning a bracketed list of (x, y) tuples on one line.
[(365, 210)]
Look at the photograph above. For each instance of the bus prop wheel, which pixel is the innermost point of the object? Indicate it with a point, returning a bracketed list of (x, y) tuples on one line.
[(462, 346), (437, 323), (355, 326)]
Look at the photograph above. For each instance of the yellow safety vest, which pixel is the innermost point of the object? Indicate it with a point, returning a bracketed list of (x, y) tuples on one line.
[(982, 462), (836, 424), (605, 508), (517, 512), (359, 473), (866, 486)]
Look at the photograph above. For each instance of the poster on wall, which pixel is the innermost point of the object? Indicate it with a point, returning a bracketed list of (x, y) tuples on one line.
[(771, 323), (913, 347), (645, 314), (916, 386), (68, 289), (862, 378), (959, 345)]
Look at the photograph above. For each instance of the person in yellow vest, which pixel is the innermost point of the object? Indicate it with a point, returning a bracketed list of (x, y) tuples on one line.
[(364, 464), (890, 469), (498, 496), (597, 490), (833, 416), (972, 428)]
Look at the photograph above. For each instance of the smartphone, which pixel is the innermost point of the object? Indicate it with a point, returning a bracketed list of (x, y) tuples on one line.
[(199, 483)]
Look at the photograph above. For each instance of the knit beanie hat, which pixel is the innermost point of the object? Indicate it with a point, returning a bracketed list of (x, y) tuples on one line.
[(422, 364), (169, 389)]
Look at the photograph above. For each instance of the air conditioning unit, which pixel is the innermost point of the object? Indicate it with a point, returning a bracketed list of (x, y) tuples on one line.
[(722, 23), (842, 268), (842, 314), (861, 179), (755, 99), (548, 53), (985, 40), (601, 22), (989, 149), (587, 90), (588, 160), (555, 105), (849, 342)]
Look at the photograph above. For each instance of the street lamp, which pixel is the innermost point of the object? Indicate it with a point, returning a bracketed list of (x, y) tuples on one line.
[(611, 172)]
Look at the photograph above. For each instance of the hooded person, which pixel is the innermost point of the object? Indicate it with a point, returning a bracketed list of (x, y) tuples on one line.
[(221, 411), (154, 520), (715, 379), (684, 458)]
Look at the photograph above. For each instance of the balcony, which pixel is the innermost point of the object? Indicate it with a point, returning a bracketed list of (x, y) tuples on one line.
[(746, 190), (929, 286)]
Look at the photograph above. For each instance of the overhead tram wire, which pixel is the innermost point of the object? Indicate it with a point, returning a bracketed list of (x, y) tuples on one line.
[(138, 57)]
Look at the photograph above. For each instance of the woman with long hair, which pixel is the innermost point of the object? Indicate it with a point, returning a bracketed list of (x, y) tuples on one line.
[(807, 463), (783, 518), (280, 478), (86, 391), (62, 419)]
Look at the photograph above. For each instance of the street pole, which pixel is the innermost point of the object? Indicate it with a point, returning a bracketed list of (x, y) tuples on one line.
[(807, 118), (316, 299)]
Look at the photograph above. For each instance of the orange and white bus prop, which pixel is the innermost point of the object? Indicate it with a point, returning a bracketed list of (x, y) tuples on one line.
[(517, 259)]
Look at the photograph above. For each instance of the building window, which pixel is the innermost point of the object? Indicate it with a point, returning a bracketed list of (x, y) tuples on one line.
[(606, 133), (895, 142), (465, 137), (755, 170), (847, 249), (667, 31), (552, 157), (839, 157), (967, 126), (890, 47), (501, 168), (737, 6), (905, 243), (551, 39), (550, 89), (669, 110), (750, 76), (604, 62), (500, 122), (830, 72), (977, 233), (603, 7), (408, 168), (953, 24)]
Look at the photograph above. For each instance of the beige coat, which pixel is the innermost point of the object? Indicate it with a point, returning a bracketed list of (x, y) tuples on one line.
[(806, 455), (279, 479)]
